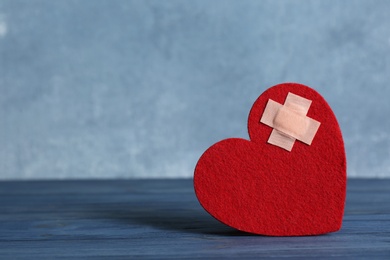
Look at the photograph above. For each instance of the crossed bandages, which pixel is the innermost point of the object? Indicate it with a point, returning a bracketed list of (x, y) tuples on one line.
[(289, 121)]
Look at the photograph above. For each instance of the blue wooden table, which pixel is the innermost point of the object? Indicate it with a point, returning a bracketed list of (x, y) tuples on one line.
[(162, 219)]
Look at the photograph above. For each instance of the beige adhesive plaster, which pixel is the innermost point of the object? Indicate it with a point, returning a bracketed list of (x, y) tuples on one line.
[(289, 121)]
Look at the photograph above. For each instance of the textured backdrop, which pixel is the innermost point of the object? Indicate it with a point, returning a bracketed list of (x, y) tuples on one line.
[(101, 89)]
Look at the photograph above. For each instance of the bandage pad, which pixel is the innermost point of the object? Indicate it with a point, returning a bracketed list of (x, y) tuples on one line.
[(289, 121)]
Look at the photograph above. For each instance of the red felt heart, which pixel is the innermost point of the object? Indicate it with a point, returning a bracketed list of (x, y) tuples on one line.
[(260, 188)]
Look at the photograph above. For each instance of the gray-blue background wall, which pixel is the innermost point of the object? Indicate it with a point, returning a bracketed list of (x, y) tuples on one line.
[(101, 89)]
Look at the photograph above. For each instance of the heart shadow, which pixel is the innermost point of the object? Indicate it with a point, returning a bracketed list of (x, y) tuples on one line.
[(165, 216)]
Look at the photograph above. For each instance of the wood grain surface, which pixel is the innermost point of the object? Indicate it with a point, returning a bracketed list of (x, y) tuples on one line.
[(162, 219)]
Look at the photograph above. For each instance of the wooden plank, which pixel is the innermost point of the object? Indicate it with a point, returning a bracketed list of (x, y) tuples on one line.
[(162, 219)]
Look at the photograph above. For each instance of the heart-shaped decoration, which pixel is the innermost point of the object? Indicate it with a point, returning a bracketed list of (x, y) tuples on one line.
[(289, 179)]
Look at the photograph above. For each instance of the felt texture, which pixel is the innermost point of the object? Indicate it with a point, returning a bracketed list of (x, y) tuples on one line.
[(260, 188)]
